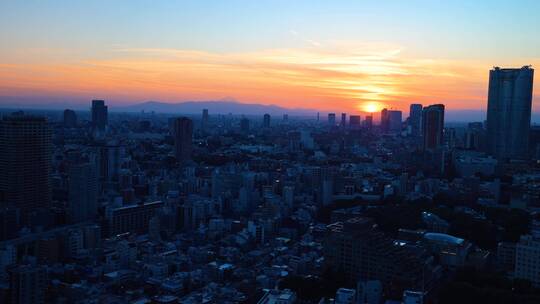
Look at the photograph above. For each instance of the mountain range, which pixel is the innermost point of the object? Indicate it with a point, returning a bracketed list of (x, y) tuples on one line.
[(215, 107)]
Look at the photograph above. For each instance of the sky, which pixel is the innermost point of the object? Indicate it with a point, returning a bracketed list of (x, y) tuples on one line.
[(351, 56)]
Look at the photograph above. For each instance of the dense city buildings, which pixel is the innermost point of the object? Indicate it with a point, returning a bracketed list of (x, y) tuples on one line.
[(509, 112), (154, 210)]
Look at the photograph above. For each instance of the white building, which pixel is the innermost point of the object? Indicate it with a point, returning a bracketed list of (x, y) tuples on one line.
[(528, 259), (345, 296), (278, 297)]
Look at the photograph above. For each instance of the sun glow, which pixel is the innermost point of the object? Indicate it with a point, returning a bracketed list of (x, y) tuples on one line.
[(371, 107)]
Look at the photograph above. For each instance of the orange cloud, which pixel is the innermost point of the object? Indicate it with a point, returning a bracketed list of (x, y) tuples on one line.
[(343, 78)]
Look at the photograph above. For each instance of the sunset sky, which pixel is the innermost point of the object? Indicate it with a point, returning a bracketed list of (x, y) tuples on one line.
[(328, 55)]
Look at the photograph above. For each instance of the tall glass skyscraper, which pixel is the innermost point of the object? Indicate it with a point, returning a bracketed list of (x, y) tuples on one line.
[(99, 115), (509, 112), (433, 126), (183, 133), (415, 119)]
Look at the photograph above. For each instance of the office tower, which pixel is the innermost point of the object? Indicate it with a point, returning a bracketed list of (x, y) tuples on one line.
[(99, 116), (368, 122), (83, 192), (384, 120), (318, 115), (343, 119), (266, 121), (27, 284), (527, 263), (70, 118), (285, 117), (394, 121), (25, 163), (433, 126), (354, 121), (509, 112), (332, 119), (244, 125), (415, 119), (205, 118), (183, 133)]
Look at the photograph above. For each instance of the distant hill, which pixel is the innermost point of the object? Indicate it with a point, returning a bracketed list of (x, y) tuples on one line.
[(214, 107)]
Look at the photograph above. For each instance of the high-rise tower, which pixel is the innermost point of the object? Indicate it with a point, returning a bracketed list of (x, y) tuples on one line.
[(433, 126), (205, 118), (266, 121), (509, 112), (99, 116), (182, 133), (25, 163), (415, 119)]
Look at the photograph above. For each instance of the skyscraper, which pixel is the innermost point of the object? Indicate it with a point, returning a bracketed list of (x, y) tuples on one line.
[(368, 122), (354, 121), (266, 121), (83, 192), (509, 112), (384, 120), (99, 116), (182, 133), (70, 118), (433, 126), (244, 125), (343, 119), (415, 119), (205, 118), (25, 163), (394, 121), (332, 119)]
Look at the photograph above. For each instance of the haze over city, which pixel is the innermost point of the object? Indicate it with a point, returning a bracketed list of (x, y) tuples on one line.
[(357, 56)]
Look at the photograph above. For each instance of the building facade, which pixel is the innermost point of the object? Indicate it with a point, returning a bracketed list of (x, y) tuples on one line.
[(509, 112), (25, 163)]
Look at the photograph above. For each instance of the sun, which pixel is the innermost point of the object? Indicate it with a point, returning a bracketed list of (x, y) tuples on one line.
[(371, 107)]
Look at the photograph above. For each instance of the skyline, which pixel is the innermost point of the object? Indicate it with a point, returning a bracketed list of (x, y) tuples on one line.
[(173, 52)]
